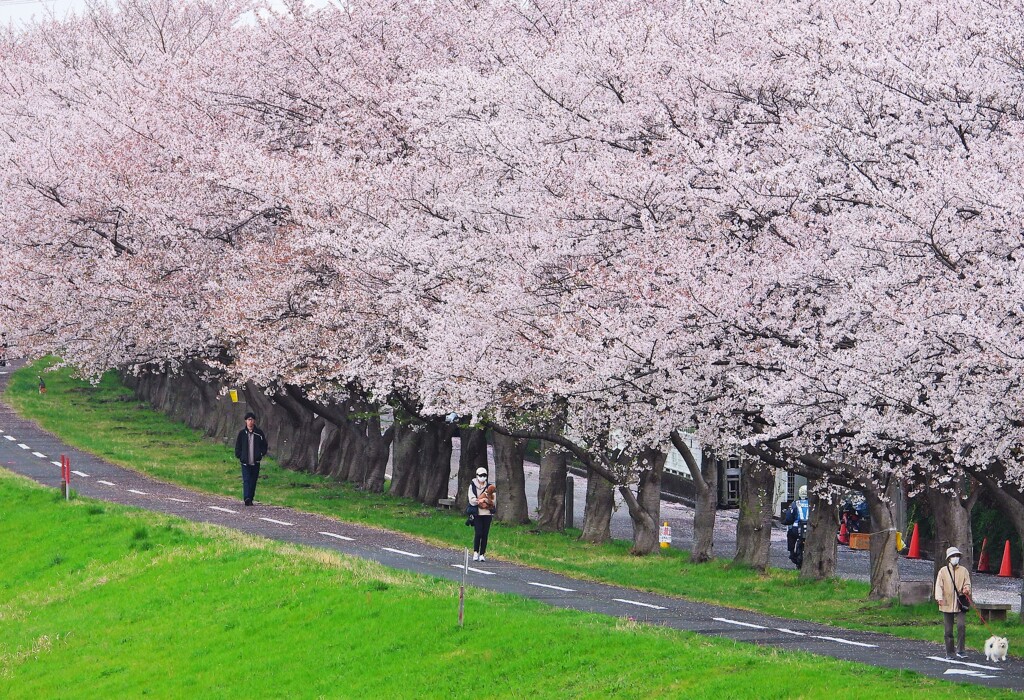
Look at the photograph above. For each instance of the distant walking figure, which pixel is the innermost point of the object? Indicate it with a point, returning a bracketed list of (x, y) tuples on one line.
[(481, 497), (42, 386), (250, 447)]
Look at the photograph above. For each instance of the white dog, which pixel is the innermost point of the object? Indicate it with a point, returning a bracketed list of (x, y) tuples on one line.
[(996, 648)]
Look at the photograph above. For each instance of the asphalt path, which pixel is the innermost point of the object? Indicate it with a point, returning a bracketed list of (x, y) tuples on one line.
[(28, 450)]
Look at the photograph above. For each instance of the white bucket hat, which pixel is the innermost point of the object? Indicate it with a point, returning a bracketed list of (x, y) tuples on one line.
[(952, 552)]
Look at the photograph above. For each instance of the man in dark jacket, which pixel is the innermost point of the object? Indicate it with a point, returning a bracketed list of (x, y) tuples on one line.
[(250, 446)]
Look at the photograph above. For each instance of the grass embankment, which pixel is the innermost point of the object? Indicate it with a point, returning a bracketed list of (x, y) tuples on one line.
[(99, 600), (106, 420)]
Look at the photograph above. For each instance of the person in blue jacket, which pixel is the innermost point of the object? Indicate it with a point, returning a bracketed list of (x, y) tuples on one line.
[(796, 516)]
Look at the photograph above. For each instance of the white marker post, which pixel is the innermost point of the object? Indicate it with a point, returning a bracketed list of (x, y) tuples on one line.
[(462, 588)]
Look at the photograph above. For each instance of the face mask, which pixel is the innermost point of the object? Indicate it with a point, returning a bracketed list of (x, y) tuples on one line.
[(954, 560)]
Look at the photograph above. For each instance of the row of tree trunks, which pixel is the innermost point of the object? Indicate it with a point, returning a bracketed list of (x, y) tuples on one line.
[(422, 459), (353, 446), (344, 441)]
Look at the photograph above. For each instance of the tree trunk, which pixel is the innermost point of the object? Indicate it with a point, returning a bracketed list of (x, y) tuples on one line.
[(510, 479), (597, 518), (754, 528), (885, 571), (472, 456), (705, 511), (705, 500), (435, 461), (378, 449), (404, 467), (821, 551), (554, 467), (952, 512), (645, 507)]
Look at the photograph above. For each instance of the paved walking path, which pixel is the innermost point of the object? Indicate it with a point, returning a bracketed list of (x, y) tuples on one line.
[(27, 449)]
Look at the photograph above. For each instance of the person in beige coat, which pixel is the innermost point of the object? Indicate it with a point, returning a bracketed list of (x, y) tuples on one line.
[(953, 579)]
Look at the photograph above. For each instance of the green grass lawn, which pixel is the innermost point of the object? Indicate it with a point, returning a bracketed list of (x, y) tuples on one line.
[(104, 601), (104, 419)]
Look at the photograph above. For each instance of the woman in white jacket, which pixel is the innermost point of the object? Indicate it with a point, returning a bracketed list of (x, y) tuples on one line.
[(482, 520)]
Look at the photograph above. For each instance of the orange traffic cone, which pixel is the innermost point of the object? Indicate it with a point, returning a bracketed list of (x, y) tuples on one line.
[(983, 559), (1005, 569), (844, 534), (915, 545)]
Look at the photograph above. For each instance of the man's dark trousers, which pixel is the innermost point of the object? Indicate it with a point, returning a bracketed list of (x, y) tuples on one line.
[(250, 473)]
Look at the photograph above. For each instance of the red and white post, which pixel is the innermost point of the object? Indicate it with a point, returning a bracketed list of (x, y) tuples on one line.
[(65, 476)]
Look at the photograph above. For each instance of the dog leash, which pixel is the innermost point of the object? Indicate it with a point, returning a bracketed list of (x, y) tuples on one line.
[(980, 616)]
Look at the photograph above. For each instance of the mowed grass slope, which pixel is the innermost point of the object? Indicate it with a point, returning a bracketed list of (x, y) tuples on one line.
[(98, 600), (106, 420)]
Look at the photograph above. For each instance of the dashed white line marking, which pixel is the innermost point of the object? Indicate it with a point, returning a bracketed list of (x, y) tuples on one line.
[(637, 602), (278, 522), (57, 464), (23, 446), (737, 622), (39, 454), (479, 571), (789, 631), (178, 500), (547, 585), (79, 473), (105, 483), (8, 437), (845, 641), (966, 672), (223, 510), (338, 537), (141, 493), (401, 551), (963, 663)]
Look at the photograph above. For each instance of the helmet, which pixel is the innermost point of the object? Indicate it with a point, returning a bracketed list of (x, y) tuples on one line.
[(803, 492)]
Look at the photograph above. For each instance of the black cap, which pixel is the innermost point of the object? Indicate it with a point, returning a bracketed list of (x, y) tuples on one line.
[(250, 414)]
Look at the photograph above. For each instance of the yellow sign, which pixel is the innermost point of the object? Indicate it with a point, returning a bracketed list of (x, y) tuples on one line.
[(234, 395)]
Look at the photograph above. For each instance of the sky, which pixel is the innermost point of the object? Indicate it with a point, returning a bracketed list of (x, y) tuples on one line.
[(19, 11)]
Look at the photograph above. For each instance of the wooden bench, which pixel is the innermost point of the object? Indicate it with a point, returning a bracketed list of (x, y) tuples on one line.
[(993, 611), (446, 503)]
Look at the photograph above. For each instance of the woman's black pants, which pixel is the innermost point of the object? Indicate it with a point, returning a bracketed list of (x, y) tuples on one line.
[(481, 526)]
